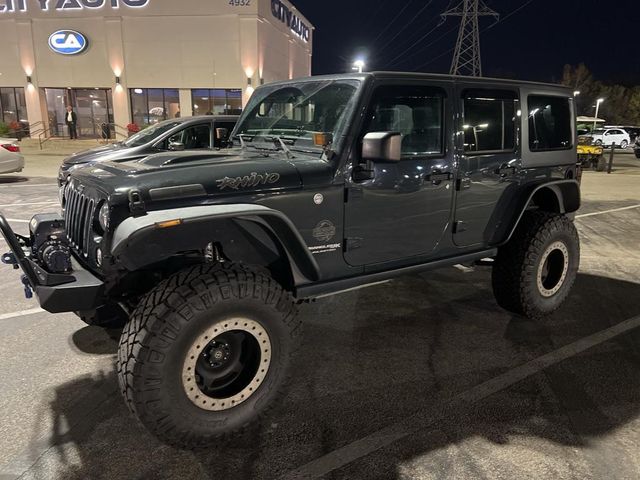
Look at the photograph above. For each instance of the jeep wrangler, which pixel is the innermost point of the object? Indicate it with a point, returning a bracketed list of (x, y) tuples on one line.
[(331, 183)]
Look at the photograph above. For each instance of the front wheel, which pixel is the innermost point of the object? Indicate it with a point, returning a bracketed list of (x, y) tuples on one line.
[(534, 272), (624, 144), (207, 353)]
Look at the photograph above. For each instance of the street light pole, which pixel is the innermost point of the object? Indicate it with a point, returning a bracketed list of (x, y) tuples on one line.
[(595, 121), (358, 65)]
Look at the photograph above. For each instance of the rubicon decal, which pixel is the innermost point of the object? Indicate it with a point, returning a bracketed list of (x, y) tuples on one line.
[(68, 42), (248, 181)]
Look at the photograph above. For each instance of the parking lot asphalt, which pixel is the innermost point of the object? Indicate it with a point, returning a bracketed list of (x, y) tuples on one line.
[(423, 377)]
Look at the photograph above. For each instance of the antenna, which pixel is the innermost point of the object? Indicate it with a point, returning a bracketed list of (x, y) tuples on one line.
[(466, 58)]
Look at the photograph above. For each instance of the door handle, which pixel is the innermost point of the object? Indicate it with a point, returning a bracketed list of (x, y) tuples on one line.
[(437, 177)]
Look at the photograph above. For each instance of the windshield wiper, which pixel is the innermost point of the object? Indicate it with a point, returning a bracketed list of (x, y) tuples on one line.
[(285, 148)]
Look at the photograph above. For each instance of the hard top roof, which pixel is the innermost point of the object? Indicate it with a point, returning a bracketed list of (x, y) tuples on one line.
[(426, 76)]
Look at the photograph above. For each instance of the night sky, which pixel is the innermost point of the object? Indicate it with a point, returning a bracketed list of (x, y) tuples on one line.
[(533, 43)]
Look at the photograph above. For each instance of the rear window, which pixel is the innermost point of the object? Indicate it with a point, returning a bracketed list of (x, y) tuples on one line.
[(549, 123)]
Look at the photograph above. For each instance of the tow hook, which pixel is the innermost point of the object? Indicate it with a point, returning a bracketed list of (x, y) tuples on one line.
[(10, 259), (28, 292)]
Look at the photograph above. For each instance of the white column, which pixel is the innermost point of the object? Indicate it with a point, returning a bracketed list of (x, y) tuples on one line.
[(186, 103), (115, 54), (35, 112)]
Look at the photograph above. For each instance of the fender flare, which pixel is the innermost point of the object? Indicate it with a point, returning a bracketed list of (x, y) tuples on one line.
[(561, 196), (144, 232)]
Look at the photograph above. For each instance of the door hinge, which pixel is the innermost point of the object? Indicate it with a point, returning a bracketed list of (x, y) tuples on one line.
[(352, 243), (459, 227)]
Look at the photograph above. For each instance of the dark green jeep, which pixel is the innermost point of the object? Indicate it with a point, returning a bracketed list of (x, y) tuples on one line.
[(332, 183)]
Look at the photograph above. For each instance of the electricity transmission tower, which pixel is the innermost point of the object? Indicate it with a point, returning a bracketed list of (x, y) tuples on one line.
[(466, 58)]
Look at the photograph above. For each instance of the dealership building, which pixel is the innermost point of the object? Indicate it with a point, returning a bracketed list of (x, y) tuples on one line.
[(118, 62)]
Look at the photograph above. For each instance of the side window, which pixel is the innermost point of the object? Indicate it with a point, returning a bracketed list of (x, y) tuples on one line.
[(549, 123), (489, 121), (194, 137), (414, 111)]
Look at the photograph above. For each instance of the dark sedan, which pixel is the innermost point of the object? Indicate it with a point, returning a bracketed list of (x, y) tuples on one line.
[(189, 133)]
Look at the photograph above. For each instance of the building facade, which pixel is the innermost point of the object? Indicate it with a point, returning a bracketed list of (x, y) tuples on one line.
[(119, 62)]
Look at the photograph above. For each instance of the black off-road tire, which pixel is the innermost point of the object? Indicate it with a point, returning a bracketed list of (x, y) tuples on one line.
[(164, 330), (601, 164), (515, 272)]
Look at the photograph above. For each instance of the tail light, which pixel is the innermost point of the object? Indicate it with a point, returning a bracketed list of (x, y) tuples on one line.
[(12, 147)]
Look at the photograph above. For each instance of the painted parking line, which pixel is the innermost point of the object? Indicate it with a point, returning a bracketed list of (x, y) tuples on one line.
[(8, 205), (7, 316), (421, 421), (607, 211)]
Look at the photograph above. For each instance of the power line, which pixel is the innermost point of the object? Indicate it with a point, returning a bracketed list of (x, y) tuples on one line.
[(424, 47), (391, 22), (416, 16)]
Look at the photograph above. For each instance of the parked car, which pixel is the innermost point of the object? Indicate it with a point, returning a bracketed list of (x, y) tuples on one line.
[(636, 147), (633, 131), (10, 159), (332, 183), (608, 136), (189, 133)]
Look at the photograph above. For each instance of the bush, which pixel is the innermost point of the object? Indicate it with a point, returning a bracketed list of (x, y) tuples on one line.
[(4, 129)]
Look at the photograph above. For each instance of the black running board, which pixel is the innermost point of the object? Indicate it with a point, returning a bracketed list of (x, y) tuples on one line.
[(323, 289)]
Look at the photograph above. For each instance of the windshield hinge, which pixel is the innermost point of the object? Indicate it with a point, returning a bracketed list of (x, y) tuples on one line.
[(136, 205)]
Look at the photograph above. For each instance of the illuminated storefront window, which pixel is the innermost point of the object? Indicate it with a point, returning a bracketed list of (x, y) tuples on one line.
[(152, 105), (217, 101), (12, 105)]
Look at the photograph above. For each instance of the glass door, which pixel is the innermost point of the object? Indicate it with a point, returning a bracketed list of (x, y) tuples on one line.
[(56, 109), (94, 110)]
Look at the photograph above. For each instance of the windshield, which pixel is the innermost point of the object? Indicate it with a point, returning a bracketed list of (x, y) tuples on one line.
[(149, 134), (305, 116)]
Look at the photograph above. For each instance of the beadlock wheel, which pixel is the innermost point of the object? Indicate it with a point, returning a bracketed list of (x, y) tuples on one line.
[(226, 364), (552, 272)]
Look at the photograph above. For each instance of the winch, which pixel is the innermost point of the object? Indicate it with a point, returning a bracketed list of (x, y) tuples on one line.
[(50, 246)]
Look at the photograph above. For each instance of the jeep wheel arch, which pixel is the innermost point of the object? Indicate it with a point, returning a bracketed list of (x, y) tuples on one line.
[(247, 233), (562, 196)]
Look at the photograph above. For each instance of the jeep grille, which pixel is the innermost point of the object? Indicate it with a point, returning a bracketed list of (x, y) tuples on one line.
[(78, 214)]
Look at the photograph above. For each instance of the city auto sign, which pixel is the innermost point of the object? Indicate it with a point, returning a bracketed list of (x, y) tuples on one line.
[(286, 16), (68, 42), (7, 6)]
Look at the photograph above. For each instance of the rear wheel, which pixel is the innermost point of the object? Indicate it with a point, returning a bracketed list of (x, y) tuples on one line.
[(534, 272), (207, 353)]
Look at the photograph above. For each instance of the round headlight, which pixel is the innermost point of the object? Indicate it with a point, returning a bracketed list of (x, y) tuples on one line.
[(103, 217)]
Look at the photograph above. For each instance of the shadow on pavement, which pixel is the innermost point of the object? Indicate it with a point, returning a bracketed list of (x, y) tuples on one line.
[(9, 180), (369, 360), (96, 341)]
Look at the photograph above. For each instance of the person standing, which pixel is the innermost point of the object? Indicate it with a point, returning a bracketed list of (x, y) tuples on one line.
[(72, 123)]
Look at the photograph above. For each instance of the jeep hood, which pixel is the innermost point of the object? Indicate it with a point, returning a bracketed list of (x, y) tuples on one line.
[(172, 176)]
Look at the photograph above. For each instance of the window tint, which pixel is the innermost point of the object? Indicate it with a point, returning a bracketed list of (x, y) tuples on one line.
[(489, 122), (549, 123), (415, 112)]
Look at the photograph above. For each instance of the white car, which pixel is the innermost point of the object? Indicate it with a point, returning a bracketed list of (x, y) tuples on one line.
[(609, 136), (10, 159)]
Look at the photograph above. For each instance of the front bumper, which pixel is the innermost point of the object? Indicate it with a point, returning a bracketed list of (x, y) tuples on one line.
[(79, 290)]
